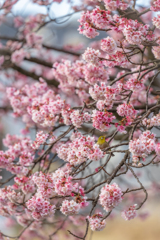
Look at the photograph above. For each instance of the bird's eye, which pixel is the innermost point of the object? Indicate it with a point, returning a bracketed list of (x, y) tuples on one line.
[(101, 137)]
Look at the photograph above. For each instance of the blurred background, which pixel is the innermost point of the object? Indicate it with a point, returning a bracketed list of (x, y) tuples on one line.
[(63, 32)]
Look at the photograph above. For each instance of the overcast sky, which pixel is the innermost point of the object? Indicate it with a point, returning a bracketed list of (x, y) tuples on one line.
[(27, 7)]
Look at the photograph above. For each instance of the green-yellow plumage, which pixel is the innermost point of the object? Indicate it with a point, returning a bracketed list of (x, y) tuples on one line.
[(102, 142)]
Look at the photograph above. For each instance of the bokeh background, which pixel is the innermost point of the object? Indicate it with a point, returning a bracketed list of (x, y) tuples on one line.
[(60, 33)]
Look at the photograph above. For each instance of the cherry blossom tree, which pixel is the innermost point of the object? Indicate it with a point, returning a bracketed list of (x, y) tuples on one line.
[(64, 179)]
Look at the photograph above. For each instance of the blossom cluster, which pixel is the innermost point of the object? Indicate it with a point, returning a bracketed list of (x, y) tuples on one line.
[(63, 183), (80, 150), (102, 120), (104, 95), (41, 106), (96, 222), (126, 110), (17, 147), (156, 21), (70, 207), (130, 213), (40, 208), (91, 56), (75, 117), (133, 31), (26, 184), (113, 5), (76, 77), (41, 138), (155, 5), (67, 101), (142, 147), (9, 201), (154, 121), (110, 196), (109, 45), (98, 18), (45, 184)]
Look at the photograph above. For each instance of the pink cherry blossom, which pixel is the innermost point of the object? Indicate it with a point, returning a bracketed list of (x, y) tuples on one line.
[(143, 146), (113, 5), (80, 150), (130, 213), (91, 55), (126, 110), (40, 208), (66, 96), (70, 207), (110, 196), (102, 120), (96, 222), (155, 5), (109, 45)]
